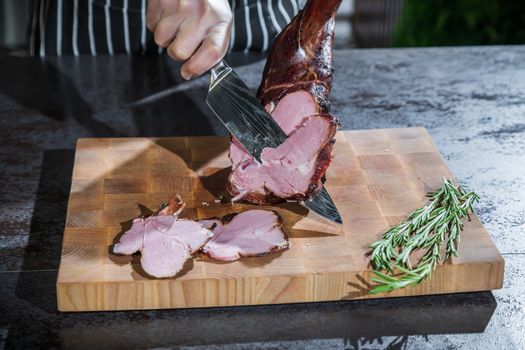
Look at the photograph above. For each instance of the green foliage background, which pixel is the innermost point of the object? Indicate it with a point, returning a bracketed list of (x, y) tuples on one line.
[(460, 22)]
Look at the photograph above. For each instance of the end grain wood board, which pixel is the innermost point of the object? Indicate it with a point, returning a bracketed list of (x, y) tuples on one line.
[(377, 177)]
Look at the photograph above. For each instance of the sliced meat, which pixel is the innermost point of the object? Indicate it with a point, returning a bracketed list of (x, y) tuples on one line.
[(250, 233), (297, 80), (133, 239), (291, 171), (165, 241), (162, 255), (291, 110), (192, 233)]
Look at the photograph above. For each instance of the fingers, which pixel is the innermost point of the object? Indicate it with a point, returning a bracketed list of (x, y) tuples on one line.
[(166, 30), (188, 39), (210, 52), (153, 14), (195, 31)]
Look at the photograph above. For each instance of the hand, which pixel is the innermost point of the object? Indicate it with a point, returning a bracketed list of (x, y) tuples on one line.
[(194, 31)]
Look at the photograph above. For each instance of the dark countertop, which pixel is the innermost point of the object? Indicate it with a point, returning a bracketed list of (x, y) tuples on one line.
[(472, 100)]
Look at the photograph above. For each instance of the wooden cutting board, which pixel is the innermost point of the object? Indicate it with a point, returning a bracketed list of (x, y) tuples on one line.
[(377, 177)]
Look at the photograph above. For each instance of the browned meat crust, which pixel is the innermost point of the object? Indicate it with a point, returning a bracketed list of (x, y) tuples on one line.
[(301, 56)]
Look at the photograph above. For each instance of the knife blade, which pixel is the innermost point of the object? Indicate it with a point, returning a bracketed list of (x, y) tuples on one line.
[(240, 111), (244, 116)]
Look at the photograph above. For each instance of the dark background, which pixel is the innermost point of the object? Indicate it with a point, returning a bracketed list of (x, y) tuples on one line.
[(370, 23)]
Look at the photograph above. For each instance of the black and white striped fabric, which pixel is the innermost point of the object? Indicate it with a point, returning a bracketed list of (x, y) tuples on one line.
[(108, 27)]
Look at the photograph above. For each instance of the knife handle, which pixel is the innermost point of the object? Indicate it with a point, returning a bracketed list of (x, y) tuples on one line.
[(219, 69)]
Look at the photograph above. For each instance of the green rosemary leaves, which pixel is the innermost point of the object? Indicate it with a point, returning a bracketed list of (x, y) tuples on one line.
[(426, 230)]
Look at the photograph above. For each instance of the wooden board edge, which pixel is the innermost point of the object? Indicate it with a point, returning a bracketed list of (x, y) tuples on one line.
[(160, 294)]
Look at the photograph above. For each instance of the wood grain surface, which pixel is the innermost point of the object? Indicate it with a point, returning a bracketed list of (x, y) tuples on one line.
[(377, 177)]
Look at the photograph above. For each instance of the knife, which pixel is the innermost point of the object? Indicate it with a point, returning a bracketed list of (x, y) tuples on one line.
[(243, 115)]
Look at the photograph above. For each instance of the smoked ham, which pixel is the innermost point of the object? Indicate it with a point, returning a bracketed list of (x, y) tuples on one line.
[(296, 83), (164, 240), (250, 233)]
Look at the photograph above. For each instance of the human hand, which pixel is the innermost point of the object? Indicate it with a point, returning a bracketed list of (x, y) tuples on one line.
[(194, 31)]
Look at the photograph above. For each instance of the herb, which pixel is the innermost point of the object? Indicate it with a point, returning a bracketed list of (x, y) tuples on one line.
[(426, 229)]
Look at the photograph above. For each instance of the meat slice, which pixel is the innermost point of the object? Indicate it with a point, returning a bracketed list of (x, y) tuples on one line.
[(296, 83), (250, 233), (291, 171), (165, 241), (132, 240), (162, 255)]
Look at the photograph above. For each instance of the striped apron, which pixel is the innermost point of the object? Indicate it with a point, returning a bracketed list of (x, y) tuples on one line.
[(108, 27)]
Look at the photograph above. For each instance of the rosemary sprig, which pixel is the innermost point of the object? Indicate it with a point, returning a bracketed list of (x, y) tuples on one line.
[(425, 229)]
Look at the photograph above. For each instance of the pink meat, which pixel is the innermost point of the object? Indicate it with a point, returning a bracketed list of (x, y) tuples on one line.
[(296, 83), (292, 109), (287, 116), (291, 171), (163, 256), (250, 233), (132, 240), (165, 242)]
